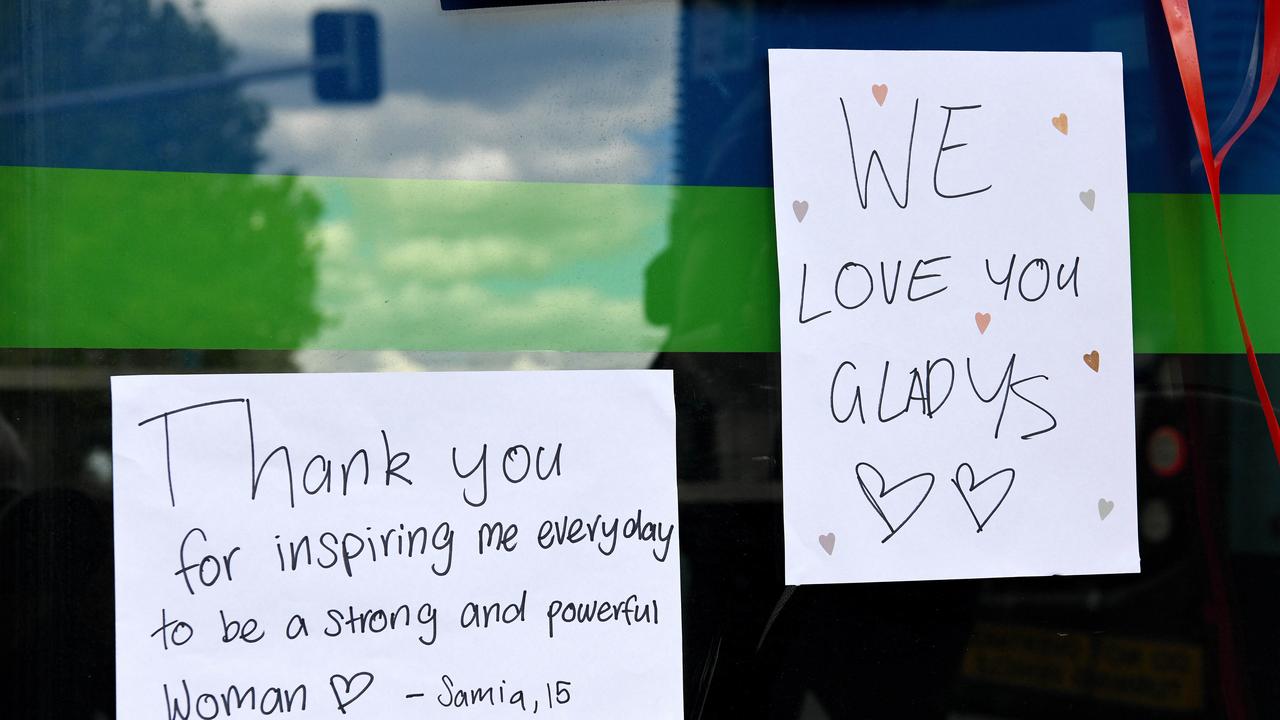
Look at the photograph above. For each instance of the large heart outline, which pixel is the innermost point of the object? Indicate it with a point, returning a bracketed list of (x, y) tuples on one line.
[(974, 484), (885, 490), (347, 683)]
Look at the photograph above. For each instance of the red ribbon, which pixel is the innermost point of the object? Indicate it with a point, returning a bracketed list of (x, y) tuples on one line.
[(1181, 32), (1178, 17)]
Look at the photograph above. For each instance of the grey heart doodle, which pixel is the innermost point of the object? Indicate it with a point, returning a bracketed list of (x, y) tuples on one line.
[(800, 208), (345, 696), (966, 470), (828, 542), (1105, 507), (885, 490), (1087, 198)]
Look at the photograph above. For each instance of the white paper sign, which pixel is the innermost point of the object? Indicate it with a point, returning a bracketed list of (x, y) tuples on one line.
[(957, 356), (397, 545)]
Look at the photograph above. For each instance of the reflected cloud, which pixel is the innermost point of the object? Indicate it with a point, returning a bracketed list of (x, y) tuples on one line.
[(468, 315), (419, 361), (546, 137), (433, 259), (572, 93), (486, 265)]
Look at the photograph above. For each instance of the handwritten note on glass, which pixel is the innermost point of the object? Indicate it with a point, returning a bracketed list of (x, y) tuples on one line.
[(957, 357), (397, 545)]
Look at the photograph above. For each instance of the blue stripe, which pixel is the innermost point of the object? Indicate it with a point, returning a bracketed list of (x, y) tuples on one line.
[(721, 129)]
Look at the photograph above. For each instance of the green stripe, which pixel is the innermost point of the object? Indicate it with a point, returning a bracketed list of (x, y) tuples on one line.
[(94, 258)]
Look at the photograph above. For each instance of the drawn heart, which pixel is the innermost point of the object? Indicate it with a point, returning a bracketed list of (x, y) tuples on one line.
[(800, 208), (1060, 122), (1086, 197), (1105, 507), (346, 691), (983, 320), (828, 542), (879, 92), (1091, 359), (885, 490), (965, 470)]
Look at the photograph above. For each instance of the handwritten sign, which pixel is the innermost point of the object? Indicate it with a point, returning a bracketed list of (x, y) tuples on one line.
[(957, 352), (397, 545)]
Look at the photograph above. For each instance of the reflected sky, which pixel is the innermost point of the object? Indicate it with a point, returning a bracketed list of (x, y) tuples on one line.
[(583, 92), (579, 93)]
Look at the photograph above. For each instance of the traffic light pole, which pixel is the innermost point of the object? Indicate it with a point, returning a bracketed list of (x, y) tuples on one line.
[(126, 92)]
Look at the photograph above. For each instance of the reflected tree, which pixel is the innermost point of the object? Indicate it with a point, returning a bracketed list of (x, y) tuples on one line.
[(105, 259), (59, 46)]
